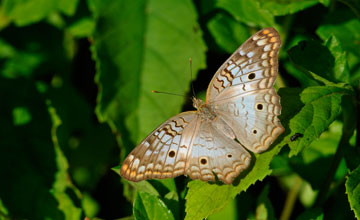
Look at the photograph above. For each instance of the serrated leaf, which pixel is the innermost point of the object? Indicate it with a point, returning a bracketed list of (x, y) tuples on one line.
[(249, 12), (284, 7), (228, 33), (135, 57), (322, 104), (353, 191), (150, 207)]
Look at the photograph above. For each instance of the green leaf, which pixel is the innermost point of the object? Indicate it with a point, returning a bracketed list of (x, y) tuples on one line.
[(135, 57), (340, 70), (84, 27), (249, 12), (321, 106), (229, 212), (346, 32), (284, 7), (353, 191), (25, 12), (318, 61), (228, 33), (68, 7), (150, 207)]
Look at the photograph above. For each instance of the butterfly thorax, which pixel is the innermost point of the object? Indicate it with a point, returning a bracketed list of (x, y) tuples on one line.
[(206, 111)]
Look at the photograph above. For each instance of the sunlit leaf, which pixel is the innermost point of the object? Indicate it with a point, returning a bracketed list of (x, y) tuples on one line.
[(150, 207), (135, 57)]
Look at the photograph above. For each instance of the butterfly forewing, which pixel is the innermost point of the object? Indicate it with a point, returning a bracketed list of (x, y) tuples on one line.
[(243, 94), (253, 66)]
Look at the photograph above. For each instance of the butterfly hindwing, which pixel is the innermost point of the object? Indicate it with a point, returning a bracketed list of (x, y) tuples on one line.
[(163, 153), (213, 152), (253, 118)]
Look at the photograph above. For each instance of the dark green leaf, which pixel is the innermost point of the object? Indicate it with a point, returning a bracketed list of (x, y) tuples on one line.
[(340, 70), (228, 33), (283, 7), (319, 62), (346, 32), (38, 168)]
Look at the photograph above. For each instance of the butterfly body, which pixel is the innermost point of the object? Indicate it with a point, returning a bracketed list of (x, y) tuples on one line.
[(241, 106)]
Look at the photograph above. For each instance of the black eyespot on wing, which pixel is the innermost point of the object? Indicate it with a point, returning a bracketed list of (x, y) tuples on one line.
[(251, 76)]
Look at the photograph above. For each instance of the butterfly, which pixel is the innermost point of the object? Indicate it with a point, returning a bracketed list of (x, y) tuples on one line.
[(240, 111)]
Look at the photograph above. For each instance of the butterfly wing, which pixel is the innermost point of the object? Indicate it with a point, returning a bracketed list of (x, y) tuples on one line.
[(213, 152), (163, 153), (242, 91)]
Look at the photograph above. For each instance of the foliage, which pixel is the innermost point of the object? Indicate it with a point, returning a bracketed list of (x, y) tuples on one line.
[(76, 80)]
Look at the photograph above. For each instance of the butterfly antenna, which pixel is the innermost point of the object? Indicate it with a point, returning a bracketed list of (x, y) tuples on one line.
[(192, 84), (167, 93)]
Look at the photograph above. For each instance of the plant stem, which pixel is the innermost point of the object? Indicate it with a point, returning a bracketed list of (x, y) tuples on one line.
[(291, 199), (358, 116)]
